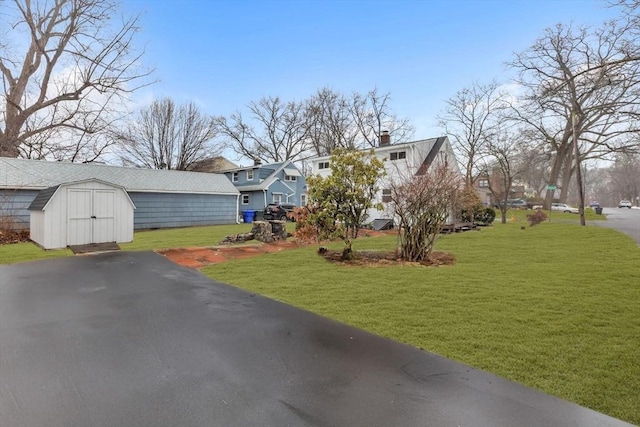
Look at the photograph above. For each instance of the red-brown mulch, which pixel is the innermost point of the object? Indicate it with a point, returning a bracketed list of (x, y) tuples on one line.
[(382, 259), (198, 257)]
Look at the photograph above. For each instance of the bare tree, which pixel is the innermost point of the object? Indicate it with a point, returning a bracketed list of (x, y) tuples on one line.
[(469, 119), (624, 178), (504, 163), (167, 136), (280, 131), (372, 115), (61, 85), (330, 123), (582, 96)]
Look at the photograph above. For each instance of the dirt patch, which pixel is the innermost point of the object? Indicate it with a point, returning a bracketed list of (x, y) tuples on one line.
[(13, 236), (201, 257), (380, 258)]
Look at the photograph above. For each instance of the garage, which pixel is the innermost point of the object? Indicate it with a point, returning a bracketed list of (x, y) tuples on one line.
[(81, 213)]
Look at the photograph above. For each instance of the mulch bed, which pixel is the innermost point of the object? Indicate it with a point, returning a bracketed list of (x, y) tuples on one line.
[(380, 258)]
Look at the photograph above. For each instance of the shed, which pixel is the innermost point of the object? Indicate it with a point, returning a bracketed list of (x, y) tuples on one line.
[(80, 213)]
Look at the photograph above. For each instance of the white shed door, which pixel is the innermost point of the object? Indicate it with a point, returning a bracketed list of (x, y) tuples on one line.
[(104, 216), (91, 216)]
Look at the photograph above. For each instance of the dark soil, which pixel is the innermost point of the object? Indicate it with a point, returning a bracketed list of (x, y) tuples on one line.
[(379, 258), (12, 236)]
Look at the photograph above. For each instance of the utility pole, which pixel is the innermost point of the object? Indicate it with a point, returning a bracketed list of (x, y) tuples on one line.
[(576, 153)]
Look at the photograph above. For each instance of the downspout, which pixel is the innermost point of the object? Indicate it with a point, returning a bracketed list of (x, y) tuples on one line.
[(238, 209)]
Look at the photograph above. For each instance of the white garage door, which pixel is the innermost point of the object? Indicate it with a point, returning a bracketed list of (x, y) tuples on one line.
[(91, 216)]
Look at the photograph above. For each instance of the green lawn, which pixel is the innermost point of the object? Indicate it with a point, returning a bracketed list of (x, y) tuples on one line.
[(556, 306)]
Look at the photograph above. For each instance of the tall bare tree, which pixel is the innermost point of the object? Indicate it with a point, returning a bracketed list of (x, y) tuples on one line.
[(65, 65), (330, 122), (582, 95), (372, 115), (168, 136), (469, 118), (279, 134)]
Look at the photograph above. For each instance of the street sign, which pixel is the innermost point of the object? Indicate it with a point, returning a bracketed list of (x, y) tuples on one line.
[(552, 187)]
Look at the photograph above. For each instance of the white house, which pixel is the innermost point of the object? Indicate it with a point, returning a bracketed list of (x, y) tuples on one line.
[(402, 160)]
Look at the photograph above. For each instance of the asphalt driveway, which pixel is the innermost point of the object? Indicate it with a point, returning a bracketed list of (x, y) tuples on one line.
[(131, 339)]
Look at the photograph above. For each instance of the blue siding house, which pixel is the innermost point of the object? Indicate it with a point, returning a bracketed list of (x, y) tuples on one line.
[(262, 184), (163, 198)]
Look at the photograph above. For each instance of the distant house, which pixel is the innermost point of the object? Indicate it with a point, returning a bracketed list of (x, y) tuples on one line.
[(401, 160), (482, 184), (163, 198), (262, 184), (212, 165)]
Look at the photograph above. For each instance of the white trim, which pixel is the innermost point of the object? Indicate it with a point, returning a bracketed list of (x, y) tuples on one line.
[(292, 172)]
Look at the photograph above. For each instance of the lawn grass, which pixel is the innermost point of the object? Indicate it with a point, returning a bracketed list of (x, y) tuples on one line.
[(142, 240), (183, 237), (555, 307), (22, 252)]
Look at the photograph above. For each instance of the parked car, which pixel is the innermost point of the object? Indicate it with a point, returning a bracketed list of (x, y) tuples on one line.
[(624, 204), (594, 204), (563, 207), (514, 203), (278, 211)]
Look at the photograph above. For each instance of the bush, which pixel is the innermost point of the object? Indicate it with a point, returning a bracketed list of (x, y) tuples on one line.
[(536, 218), (486, 216)]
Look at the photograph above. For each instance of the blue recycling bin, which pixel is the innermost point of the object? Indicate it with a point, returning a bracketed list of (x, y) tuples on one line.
[(248, 215)]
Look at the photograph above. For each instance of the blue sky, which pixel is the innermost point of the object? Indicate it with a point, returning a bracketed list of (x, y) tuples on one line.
[(223, 54)]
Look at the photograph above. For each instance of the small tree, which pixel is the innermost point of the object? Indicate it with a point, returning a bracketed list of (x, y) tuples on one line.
[(422, 205), (345, 196), (470, 206)]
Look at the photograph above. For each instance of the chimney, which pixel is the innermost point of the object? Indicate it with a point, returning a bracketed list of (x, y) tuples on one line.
[(385, 138), (257, 162)]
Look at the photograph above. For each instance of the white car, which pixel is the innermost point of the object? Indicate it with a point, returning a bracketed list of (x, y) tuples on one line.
[(624, 204), (563, 207)]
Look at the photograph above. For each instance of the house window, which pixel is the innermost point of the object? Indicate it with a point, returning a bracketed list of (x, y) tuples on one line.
[(234, 177), (245, 199), (277, 197), (303, 199), (323, 165), (398, 155), (483, 183), (386, 195), (250, 175), (290, 178)]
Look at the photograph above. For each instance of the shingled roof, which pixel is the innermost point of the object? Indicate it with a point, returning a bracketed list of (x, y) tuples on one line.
[(40, 174)]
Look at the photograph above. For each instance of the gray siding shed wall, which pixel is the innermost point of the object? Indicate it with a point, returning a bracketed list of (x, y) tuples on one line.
[(154, 210), (163, 210), (14, 207)]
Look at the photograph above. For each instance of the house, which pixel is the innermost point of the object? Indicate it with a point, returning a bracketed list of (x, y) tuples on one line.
[(402, 160), (212, 165), (162, 198), (485, 183), (262, 184), (481, 184)]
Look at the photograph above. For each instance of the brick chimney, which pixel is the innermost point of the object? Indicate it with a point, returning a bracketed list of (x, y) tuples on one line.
[(385, 138), (257, 162)]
